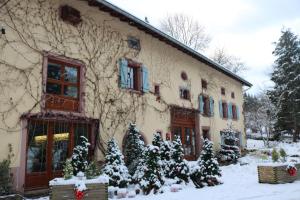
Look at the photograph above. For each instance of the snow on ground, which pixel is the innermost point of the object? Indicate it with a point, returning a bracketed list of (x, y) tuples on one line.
[(240, 181)]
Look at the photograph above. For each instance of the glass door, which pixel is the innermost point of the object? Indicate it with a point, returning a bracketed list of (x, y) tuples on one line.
[(187, 136), (36, 163)]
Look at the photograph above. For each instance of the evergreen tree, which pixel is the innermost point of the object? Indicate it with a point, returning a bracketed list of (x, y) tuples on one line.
[(140, 170), (133, 148), (68, 169), (152, 178), (165, 155), (80, 156), (286, 76), (230, 151), (207, 168), (179, 169), (92, 170), (114, 166), (157, 140)]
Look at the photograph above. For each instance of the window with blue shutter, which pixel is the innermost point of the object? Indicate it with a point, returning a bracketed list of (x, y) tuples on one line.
[(221, 108), (145, 79), (123, 70), (230, 110), (237, 113), (201, 104), (211, 106)]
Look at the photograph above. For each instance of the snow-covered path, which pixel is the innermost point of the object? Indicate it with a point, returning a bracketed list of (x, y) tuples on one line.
[(240, 183)]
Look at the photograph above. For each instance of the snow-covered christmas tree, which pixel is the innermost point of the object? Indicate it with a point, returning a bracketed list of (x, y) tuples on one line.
[(152, 178), (80, 156), (179, 169), (157, 140), (207, 169), (229, 152), (165, 155), (68, 169), (133, 148), (114, 166)]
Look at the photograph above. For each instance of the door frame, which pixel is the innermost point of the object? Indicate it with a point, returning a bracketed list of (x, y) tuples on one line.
[(190, 118), (40, 180)]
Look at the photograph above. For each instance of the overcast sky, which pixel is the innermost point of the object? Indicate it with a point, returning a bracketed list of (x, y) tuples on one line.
[(244, 28)]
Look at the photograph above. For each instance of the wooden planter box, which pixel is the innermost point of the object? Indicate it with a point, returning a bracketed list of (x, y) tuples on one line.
[(276, 174), (95, 191)]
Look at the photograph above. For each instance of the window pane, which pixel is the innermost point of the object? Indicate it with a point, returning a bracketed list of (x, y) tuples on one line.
[(71, 74), (80, 130), (130, 78), (60, 145), (54, 71), (37, 145), (53, 88), (71, 91)]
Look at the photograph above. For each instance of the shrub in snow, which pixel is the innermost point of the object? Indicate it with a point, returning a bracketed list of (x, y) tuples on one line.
[(207, 168), (157, 140), (133, 148), (140, 170), (165, 154), (92, 170), (68, 169), (153, 176), (275, 155), (80, 156), (178, 167), (282, 154), (114, 166), (230, 152)]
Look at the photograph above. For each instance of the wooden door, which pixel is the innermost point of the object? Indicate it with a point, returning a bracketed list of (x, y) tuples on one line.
[(183, 126), (49, 144)]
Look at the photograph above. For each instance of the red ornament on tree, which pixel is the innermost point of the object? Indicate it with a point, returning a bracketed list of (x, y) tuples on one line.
[(292, 170), (79, 194)]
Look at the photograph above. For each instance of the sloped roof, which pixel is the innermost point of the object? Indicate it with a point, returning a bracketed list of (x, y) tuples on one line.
[(140, 24)]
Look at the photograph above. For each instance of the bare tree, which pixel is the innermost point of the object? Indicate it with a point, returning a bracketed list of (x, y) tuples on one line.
[(187, 30), (230, 62)]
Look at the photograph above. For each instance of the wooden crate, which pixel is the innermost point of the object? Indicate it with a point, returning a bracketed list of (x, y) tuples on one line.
[(95, 191), (276, 174)]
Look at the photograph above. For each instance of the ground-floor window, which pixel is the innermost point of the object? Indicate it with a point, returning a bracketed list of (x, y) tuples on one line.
[(49, 144)]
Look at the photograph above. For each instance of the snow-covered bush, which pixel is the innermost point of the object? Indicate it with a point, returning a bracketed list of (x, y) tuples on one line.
[(114, 166), (133, 148), (152, 178), (165, 154), (68, 169), (275, 155), (80, 156), (207, 169), (230, 151), (178, 166), (92, 170)]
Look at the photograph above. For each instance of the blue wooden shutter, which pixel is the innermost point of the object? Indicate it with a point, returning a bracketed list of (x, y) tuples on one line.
[(145, 79), (211, 106), (221, 109), (237, 113), (230, 110), (123, 72), (201, 104)]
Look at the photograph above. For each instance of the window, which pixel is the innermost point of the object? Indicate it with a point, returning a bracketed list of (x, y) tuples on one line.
[(206, 105), (234, 113), (223, 91), (133, 43), (205, 133), (184, 76), (62, 85), (157, 90), (232, 95), (185, 93), (225, 110), (204, 84), (133, 76)]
